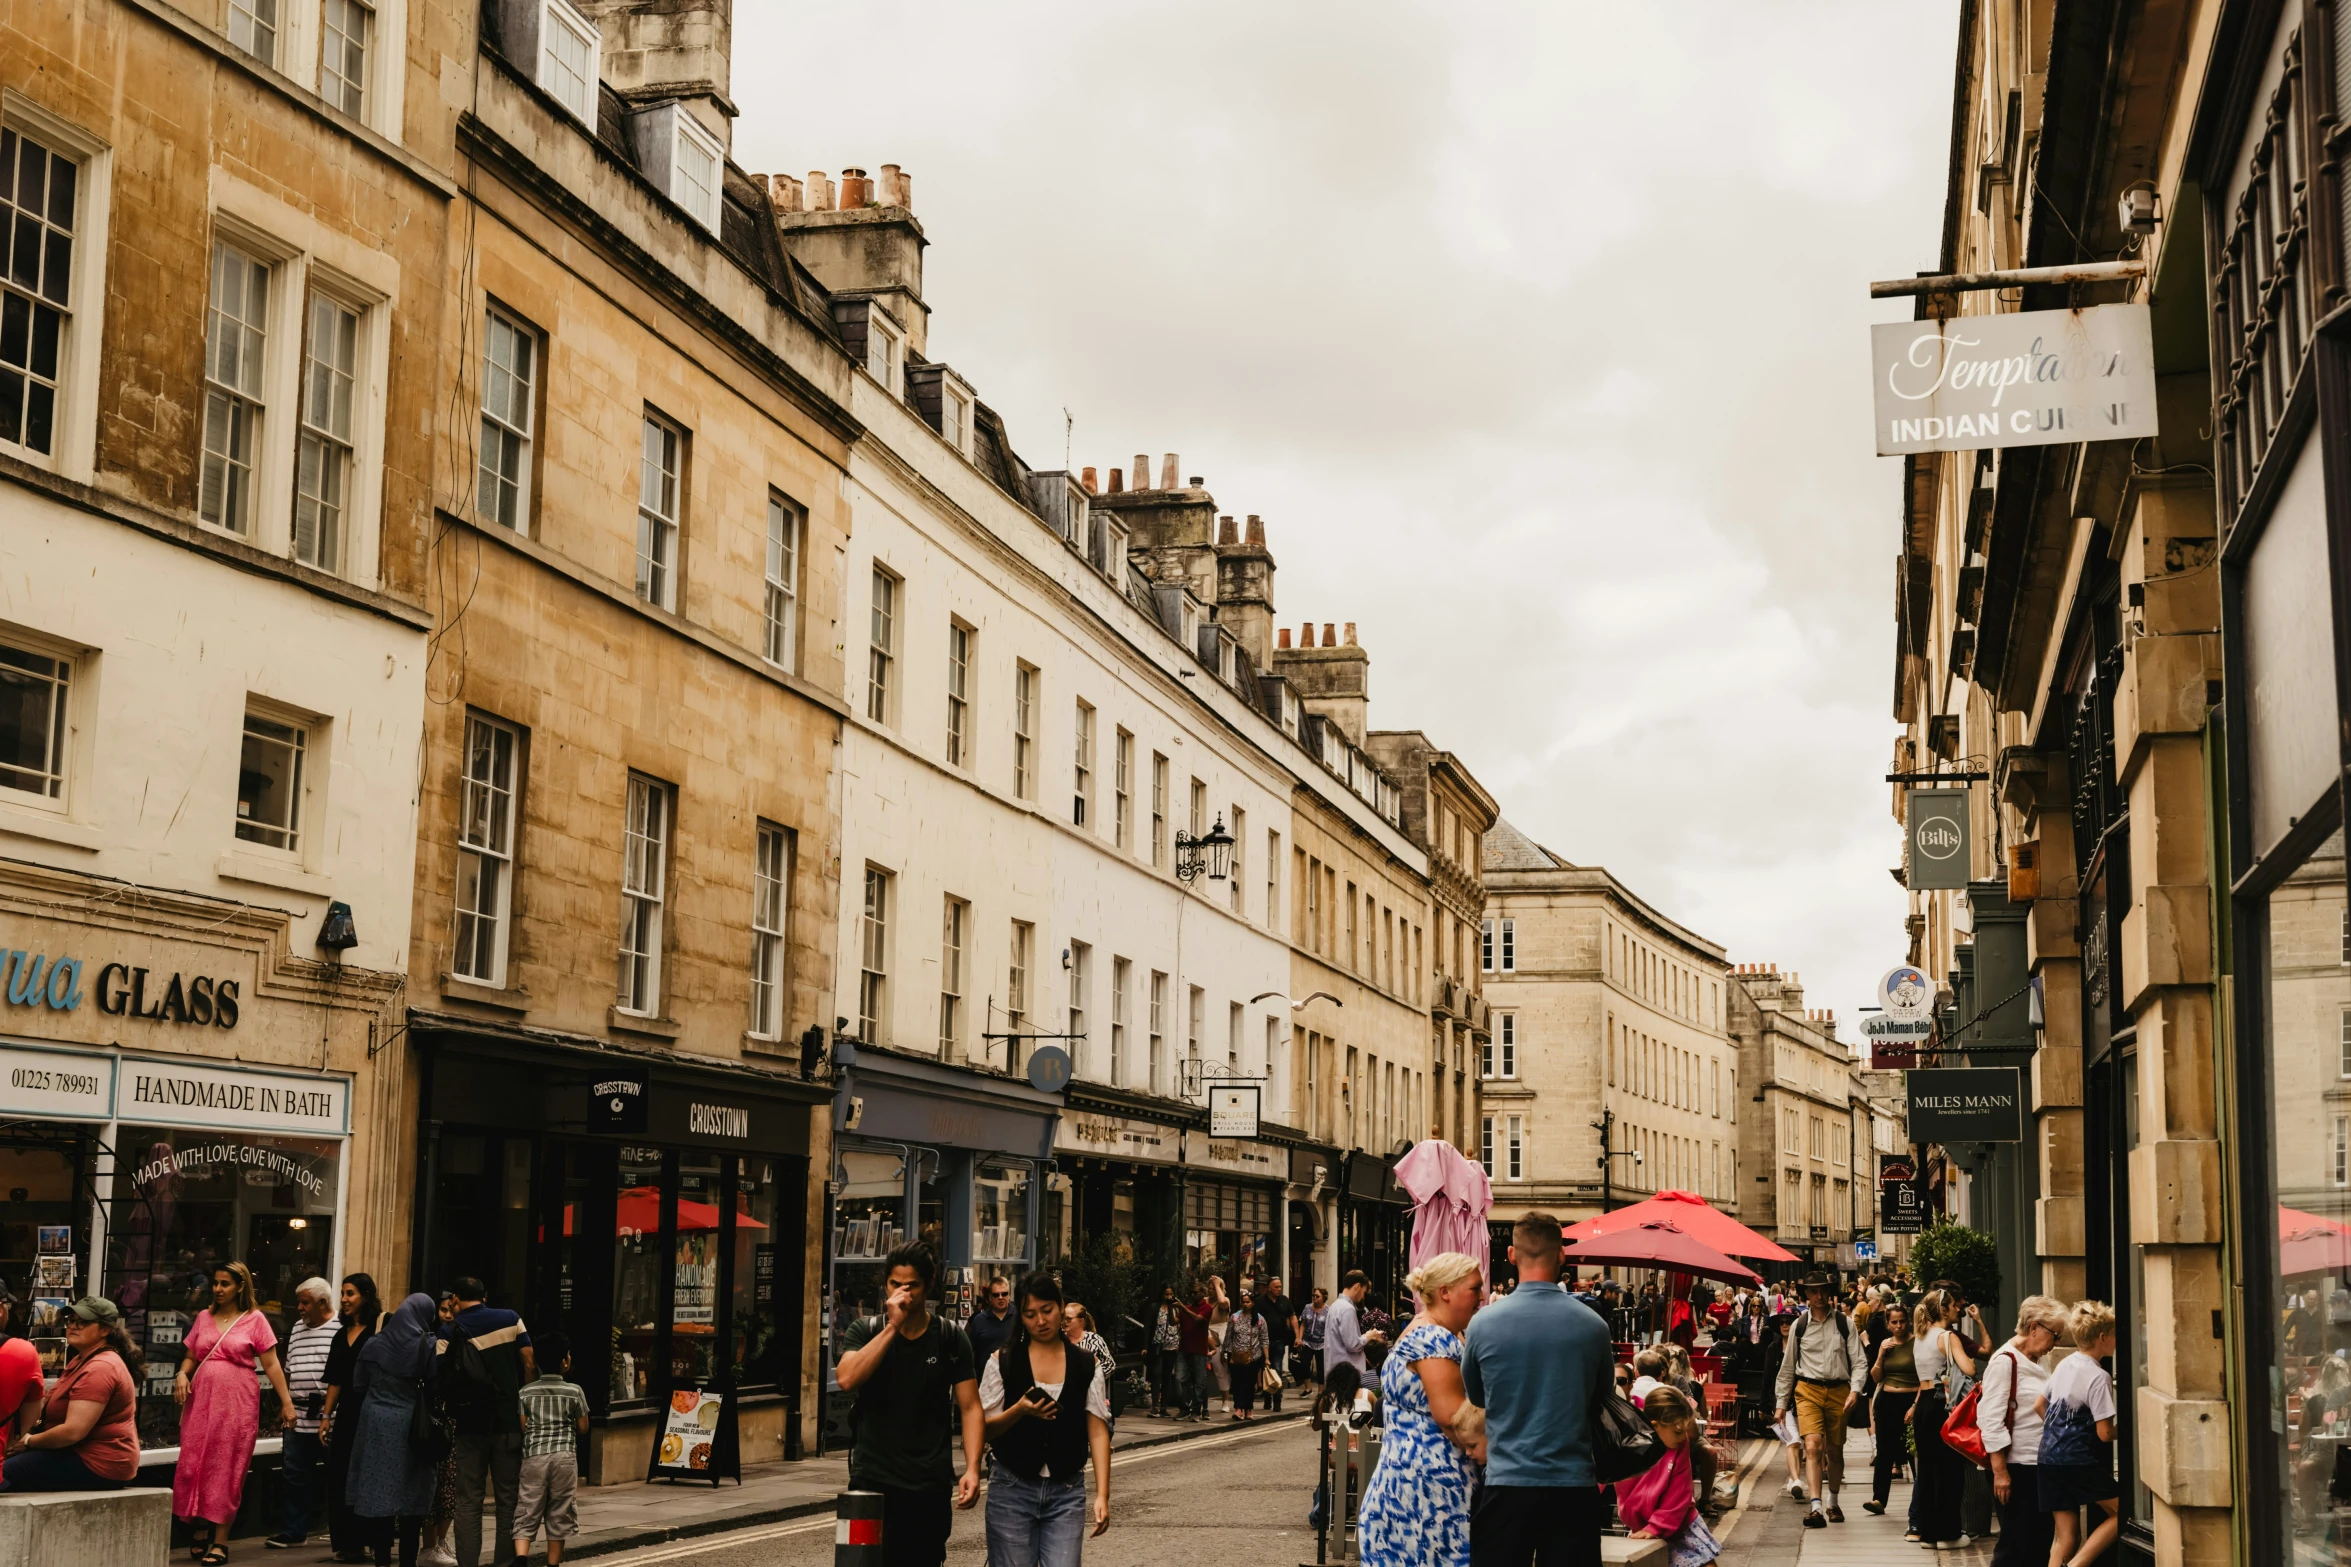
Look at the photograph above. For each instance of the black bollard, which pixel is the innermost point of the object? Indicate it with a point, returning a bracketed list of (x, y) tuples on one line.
[(857, 1529)]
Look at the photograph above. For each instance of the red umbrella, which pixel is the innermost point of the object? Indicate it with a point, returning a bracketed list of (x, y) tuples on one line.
[(1690, 1213), (2308, 1243), (1662, 1244)]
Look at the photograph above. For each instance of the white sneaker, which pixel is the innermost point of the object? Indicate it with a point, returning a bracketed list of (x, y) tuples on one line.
[(439, 1557), (1795, 1491)]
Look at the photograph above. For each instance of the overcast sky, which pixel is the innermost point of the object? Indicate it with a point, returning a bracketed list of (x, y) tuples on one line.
[(1537, 334)]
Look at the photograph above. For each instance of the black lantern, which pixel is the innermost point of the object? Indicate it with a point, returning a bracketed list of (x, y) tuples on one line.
[(337, 933), (1213, 854)]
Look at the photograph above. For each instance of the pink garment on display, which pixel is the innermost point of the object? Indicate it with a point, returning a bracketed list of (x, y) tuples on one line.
[(223, 1415), (1451, 1197)]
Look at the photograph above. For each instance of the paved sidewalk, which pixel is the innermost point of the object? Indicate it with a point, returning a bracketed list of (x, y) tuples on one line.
[(1861, 1540), (624, 1517)]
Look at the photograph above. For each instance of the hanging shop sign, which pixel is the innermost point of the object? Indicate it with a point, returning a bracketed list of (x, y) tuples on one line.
[(1048, 1069), (1935, 841), (1906, 995), (2025, 378), (1902, 1208), (1973, 1104), (1893, 1047), (1232, 1112)]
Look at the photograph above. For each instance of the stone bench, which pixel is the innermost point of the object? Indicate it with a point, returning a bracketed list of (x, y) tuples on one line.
[(1614, 1548), (130, 1528)]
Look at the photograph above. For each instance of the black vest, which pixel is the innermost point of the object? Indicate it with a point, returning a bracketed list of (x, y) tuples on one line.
[(1033, 1446)]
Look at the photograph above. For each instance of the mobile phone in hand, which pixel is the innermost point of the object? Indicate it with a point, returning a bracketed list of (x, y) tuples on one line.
[(1040, 1400)]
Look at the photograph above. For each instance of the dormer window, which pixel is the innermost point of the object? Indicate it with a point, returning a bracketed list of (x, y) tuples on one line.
[(885, 350), (694, 163), (955, 419), (569, 63)]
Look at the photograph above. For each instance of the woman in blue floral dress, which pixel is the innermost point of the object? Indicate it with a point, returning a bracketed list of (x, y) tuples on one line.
[(1415, 1511)]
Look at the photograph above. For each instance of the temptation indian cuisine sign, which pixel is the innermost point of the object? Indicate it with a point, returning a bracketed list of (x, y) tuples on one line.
[(2029, 378)]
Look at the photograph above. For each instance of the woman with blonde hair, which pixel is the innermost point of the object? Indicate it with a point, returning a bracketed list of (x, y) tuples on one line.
[(2009, 1416), (1416, 1508), (2078, 1416), (220, 1407)]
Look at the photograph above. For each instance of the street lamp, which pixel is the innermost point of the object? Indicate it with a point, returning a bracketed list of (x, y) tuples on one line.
[(1213, 854)]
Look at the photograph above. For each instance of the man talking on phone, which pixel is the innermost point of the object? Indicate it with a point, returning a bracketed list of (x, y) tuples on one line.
[(915, 1384), (1047, 1412)]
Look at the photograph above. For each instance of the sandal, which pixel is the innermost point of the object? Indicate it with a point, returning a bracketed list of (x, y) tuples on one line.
[(215, 1555)]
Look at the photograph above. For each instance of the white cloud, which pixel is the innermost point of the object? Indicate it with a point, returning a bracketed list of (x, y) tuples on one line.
[(1535, 332)]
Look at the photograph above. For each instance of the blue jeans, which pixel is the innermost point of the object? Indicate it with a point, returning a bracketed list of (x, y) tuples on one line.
[(1035, 1523), (1192, 1377), (300, 1460)]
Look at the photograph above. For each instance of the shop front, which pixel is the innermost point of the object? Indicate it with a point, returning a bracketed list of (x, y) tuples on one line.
[(1375, 1227), (652, 1207), (923, 1151)]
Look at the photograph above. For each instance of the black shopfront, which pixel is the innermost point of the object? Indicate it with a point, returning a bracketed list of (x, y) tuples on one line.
[(650, 1207), (1375, 1227)]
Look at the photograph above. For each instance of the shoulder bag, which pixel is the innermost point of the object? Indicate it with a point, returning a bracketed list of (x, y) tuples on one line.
[(1624, 1444), (1961, 1432)]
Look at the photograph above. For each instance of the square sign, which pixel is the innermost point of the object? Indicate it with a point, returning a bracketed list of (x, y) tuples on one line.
[(1232, 1112), (1967, 1104), (1865, 1251)]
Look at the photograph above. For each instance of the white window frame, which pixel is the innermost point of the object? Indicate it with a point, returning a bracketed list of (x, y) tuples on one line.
[(771, 913), (2343, 1026), (510, 431), (661, 488), (1122, 785), (256, 29), (885, 349), (883, 612), (873, 955), (960, 640), (60, 769), (73, 408), (1486, 1145), (362, 84), (326, 406), (1506, 1043), (1021, 964), (954, 949), (1509, 929), (1515, 1145), (489, 780), (2342, 1151), (1273, 881), (1121, 972), (1236, 885), (1486, 946), (780, 576), (575, 90), (1024, 731), (644, 889), (1158, 810), (954, 417), (238, 343), (1156, 1064), (701, 204), (1081, 986), (1082, 765), (300, 820)]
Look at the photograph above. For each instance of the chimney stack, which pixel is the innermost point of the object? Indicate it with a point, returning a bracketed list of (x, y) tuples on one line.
[(820, 191), (1086, 478), (1167, 472), (1256, 530), (1226, 533), (856, 190), (1142, 471), (1117, 480), (897, 187)]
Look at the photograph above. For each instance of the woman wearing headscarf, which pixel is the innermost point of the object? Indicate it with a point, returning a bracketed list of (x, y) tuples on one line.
[(391, 1483), (362, 1311)]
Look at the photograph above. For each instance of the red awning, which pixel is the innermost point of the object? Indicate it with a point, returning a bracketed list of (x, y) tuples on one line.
[(640, 1214), (1689, 1213)]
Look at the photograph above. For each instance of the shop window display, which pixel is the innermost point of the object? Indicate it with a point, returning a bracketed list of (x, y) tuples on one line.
[(868, 1221), (1000, 1213), (694, 1292), (757, 1348), (637, 1306), (186, 1201)]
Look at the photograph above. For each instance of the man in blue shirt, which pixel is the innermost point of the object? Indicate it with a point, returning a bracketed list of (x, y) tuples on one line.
[(1539, 1362)]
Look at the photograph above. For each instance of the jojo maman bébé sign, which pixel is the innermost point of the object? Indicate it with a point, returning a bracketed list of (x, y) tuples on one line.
[(2033, 378)]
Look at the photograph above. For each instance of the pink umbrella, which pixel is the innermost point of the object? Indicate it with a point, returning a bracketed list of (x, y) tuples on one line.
[(1692, 1215), (1451, 1196), (1662, 1244)]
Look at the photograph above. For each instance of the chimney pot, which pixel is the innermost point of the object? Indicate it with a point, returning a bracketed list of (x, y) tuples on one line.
[(1282, 638), (1351, 633), (1167, 472), (1086, 478), (1194, 481), (897, 188), (1257, 531), (820, 191), (1226, 533), (1117, 480), (856, 190), (786, 192), (1328, 637), (1306, 635)]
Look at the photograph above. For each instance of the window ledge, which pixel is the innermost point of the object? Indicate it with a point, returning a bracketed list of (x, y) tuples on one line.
[(284, 875), (456, 987), (634, 1023), (19, 821)]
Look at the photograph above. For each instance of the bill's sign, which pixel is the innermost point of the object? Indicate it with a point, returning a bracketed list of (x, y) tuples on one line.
[(2033, 378)]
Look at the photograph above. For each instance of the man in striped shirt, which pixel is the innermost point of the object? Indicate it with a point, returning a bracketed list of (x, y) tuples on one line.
[(306, 1366), (554, 1418)]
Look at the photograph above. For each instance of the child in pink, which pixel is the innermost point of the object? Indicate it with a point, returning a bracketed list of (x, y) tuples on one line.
[(1660, 1502)]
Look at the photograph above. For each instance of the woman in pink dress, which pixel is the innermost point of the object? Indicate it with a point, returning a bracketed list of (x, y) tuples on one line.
[(220, 1407)]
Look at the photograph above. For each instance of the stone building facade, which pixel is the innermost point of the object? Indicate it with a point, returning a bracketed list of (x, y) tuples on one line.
[(217, 337), (1805, 1133), (1608, 1042)]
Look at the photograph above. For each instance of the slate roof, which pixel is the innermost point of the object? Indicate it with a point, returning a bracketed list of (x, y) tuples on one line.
[(1508, 849)]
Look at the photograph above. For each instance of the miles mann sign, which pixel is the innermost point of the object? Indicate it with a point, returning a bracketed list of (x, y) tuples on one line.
[(2031, 378)]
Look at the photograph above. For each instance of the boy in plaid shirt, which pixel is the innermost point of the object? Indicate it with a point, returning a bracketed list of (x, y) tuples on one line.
[(554, 1417)]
